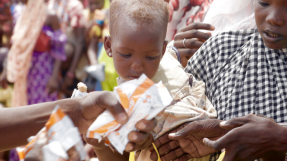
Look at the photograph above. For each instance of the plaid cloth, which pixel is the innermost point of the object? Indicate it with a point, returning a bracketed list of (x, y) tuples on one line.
[(242, 75)]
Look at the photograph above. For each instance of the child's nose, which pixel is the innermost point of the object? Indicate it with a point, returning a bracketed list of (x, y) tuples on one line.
[(275, 18), (137, 65)]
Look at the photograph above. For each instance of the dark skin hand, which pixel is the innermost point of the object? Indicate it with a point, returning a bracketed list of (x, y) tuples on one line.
[(251, 137), (141, 139), (186, 141), (194, 39), (83, 112)]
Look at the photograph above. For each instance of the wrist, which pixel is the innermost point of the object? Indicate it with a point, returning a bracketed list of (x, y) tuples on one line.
[(72, 107), (280, 143)]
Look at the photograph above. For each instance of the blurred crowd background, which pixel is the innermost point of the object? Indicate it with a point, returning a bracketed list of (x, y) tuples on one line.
[(66, 42)]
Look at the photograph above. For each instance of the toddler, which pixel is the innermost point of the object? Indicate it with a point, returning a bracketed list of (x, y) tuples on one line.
[(137, 45)]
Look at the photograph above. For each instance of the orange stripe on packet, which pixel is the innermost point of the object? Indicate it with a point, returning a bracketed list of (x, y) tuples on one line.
[(140, 90), (103, 129), (54, 118), (123, 98), (21, 155)]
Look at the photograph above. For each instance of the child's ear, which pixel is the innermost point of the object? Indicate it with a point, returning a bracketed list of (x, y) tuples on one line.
[(164, 47), (108, 45)]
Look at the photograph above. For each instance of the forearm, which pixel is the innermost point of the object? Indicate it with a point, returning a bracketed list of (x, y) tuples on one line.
[(274, 155), (280, 142), (79, 32), (92, 51), (106, 154), (19, 123), (56, 69)]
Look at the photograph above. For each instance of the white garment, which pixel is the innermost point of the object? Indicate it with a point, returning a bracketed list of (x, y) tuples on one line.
[(190, 102), (227, 15)]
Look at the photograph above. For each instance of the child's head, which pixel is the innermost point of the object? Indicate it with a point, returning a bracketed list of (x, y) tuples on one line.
[(137, 41), (96, 4), (271, 20)]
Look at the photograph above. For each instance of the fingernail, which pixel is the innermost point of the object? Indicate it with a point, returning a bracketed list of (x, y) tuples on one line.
[(151, 151), (212, 27), (223, 123), (172, 134), (134, 137), (204, 140), (129, 147), (122, 117), (142, 126)]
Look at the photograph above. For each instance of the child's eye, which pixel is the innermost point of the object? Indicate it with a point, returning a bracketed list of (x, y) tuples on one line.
[(264, 4), (151, 58), (126, 55)]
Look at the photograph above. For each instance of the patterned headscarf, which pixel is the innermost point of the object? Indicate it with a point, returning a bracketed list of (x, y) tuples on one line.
[(26, 33)]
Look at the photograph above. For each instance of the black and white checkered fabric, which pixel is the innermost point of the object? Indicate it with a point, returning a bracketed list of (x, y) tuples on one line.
[(242, 75)]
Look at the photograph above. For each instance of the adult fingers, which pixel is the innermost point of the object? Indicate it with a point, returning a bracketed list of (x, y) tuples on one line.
[(193, 43), (161, 141), (183, 130), (173, 155), (197, 26), (186, 52), (168, 147), (235, 122), (138, 137), (108, 100), (192, 34), (221, 143), (142, 141), (185, 157), (146, 125)]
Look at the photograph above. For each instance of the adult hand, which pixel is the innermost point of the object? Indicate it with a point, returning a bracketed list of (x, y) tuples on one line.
[(95, 103), (255, 138), (194, 39), (188, 140), (141, 139)]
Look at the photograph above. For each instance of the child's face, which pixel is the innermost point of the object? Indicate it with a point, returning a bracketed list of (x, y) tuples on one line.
[(135, 50), (96, 4), (271, 18)]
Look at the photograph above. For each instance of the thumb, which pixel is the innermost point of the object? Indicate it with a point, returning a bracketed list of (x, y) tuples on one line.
[(233, 123), (189, 129), (214, 144)]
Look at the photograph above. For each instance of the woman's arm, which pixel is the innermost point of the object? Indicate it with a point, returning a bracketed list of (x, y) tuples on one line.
[(19, 123)]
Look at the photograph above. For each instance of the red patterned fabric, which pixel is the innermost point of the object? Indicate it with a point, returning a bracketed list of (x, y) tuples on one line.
[(184, 12)]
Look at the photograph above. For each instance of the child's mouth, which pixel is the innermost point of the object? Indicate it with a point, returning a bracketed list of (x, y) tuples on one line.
[(133, 77), (272, 37)]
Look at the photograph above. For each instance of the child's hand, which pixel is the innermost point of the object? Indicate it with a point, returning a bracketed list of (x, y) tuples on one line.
[(95, 143), (143, 138)]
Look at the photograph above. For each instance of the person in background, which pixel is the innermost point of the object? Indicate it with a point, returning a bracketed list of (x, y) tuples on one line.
[(72, 23), (96, 15), (244, 72), (43, 76)]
